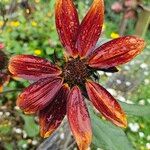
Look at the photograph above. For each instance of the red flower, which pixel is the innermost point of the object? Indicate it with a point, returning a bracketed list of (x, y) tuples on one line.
[(57, 91)]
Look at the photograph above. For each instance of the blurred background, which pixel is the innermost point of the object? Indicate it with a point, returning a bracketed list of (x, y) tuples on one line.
[(28, 27)]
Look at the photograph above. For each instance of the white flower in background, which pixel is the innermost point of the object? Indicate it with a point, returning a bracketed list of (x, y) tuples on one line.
[(146, 81), (17, 130), (1, 113), (128, 83), (144, 66), (132, 62), (146, 73), (129, 102), (24, 134), (148, 138), (100, 73), (7, 113), (108, 74), (112, 91), (141, 134), (126, 67), (118, 81), (134, 127), (34, 142), (148, 146), (24, 146), (62, 136), (121, 98), (142, 102)]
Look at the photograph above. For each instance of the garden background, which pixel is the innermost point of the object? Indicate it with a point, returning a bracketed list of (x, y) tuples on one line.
[(28, 27)]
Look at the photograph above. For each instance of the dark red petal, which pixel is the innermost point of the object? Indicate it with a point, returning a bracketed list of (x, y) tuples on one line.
[(39, 94), (32, 67), (106, 104), (90, 28), (79, 119), (116, 52), (51, 116), (67, 24)]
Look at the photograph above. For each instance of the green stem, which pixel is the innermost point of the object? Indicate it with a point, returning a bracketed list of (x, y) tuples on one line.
[(143, 22), (10, 91)]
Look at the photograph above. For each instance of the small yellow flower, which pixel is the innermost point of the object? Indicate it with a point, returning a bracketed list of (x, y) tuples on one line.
[(49, 14), (14, 23), (1, 23), (37, 52), (37, 1), (114, 35), (33, 23)]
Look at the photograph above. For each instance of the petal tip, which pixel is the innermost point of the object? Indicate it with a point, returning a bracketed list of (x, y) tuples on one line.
[(45, 134)]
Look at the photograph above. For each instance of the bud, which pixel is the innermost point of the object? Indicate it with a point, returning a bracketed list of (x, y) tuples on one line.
[(117, 7)]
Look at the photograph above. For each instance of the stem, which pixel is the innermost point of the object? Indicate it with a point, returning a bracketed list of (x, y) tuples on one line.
[(123, 25), (10, 91), (143, 22)]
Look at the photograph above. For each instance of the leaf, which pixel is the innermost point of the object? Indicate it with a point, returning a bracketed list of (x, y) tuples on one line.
[(136, 110), (108, 136), (30, 126)]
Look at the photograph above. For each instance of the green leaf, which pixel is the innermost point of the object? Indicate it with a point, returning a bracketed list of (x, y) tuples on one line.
[(136, 110), (108, 136), (30, 126)]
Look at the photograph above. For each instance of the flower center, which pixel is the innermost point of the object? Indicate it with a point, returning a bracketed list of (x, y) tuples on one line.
[(75, 72)]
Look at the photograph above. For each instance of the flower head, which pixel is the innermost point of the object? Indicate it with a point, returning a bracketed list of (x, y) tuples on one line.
[(60, 90)]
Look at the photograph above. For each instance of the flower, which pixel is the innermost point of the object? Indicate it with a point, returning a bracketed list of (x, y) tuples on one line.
[(37, 52), (114, 35), (60, 90), (34, 24), (1, 23), (117, 7), (14, 23)]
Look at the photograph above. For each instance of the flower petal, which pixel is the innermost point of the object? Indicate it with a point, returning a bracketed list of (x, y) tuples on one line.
[(32, 67), (51, 116), (106, 104), (39, 94), (79, 119), (116, 52), (90, 28), (67, 24)]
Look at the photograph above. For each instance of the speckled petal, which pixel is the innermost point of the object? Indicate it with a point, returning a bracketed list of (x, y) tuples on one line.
[(67, 24), (90, 28), (78, 118), (51, 116), (106, 104), (39, 94), (32, 67), (116, 52)]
